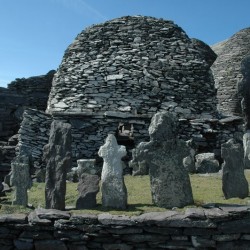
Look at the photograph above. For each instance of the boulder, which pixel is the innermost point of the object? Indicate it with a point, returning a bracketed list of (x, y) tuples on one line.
[(206, 163), (234, 183)]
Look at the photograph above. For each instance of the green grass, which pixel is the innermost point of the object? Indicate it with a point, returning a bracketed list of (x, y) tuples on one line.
[(206, 189)]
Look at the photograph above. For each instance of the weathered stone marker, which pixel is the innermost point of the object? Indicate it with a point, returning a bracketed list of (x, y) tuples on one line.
[(114, 192), (234, 182), (246, 147), (244, 90), (170, 183), (206, 163), (86, 166), (138, 163), (57, 154), (88, 187), (20, 179)]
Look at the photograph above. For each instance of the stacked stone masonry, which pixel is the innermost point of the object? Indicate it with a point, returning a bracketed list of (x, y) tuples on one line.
[(137, 65), (118, 74), (89, 132), (22, 93), (222, 227), (226, 71)]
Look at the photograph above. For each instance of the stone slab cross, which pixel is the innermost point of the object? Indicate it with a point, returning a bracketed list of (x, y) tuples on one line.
[(21, 179), (170, 183), (114, 192), (57, 155), (234, 182)]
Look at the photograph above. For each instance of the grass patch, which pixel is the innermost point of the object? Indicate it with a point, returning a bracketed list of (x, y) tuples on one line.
[(206, 189)]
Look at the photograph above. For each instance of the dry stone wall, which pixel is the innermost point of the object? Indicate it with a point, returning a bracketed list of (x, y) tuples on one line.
[(222, 227), (137, 65), (226, 71), (22, 93), (33, 135), (89, 133), (35, 90)]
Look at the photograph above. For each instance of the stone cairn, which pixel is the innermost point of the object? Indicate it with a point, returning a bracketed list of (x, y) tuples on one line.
[(114, 192), (57, 155), (170, 183), (20, 178), (234, 182)]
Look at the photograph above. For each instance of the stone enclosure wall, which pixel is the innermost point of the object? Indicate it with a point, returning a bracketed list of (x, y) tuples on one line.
[(22, 93), (221, 227)]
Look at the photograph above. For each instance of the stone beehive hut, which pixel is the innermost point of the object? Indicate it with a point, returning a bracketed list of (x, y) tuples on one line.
[(226, 70), (116, 75), (136, 65)]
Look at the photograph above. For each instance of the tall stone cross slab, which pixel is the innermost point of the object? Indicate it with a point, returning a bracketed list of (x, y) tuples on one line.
[(114, 192)]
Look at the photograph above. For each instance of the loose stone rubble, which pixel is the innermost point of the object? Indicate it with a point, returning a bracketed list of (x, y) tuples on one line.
[(57, 154), (114, 192), (234, 182)]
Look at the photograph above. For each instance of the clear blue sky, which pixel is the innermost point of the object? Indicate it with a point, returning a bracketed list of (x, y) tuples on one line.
[(35, 33)]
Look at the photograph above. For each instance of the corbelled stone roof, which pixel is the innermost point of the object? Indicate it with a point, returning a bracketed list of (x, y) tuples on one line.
[(226, 70), (137, 65)]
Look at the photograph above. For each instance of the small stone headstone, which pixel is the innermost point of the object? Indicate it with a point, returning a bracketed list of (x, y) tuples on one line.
[(86, 166), (246, 147), (114, 192), (206, 163), (138, 164), (244, 90), (234, 182), (189, 161), (57, 155), (88, 187), (20, 179)]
